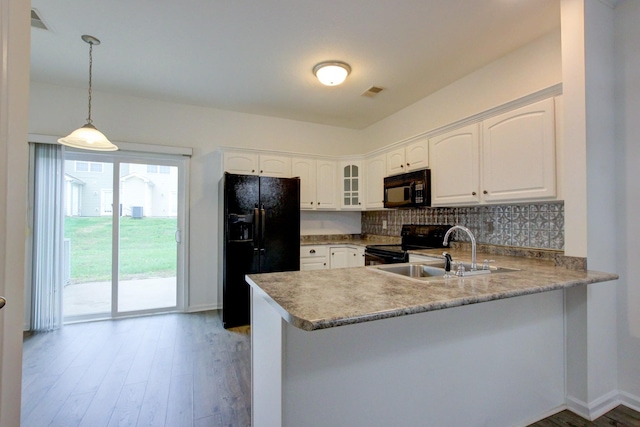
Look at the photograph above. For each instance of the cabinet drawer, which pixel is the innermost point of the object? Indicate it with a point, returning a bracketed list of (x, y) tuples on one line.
[(314, 251)]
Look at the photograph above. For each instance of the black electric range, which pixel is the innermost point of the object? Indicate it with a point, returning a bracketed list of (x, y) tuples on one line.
[(414, 237)]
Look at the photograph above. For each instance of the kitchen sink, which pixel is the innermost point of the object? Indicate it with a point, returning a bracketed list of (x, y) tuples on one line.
[(435, 269), (413, 270)]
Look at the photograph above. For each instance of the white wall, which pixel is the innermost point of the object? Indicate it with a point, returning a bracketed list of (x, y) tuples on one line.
[(527, 70), (627, 174), (140, 120), (14, 92), (318, 222), (122, 118)]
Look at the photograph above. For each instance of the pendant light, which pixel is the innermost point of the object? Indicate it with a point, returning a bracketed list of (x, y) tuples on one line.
[(332, 73), (88, 137)]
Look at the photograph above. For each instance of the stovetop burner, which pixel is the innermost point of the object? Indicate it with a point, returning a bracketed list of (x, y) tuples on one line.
[(414, 237)]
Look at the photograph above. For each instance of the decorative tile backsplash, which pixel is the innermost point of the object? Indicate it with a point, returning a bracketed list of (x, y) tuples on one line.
[(535, 225)]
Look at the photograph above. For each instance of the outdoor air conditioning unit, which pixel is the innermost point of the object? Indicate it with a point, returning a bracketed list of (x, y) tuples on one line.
[(136, 212)]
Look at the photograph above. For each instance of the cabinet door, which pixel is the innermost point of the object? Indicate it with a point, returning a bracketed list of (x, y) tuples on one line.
[(307, 264), (240, 163), (396, 162), (276, 166), (455, 167), (518, 154), (355, 257), (305, 169), (339, 257), (351, 185), (326, 184), (417, 155), (375, 172)]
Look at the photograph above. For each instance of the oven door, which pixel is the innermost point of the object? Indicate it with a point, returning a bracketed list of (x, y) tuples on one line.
[(377, 258)]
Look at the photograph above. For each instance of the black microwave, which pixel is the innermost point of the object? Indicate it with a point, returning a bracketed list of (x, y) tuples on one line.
[(408, 190)]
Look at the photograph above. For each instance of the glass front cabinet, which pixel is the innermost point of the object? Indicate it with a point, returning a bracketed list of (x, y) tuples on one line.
[(351, 185)]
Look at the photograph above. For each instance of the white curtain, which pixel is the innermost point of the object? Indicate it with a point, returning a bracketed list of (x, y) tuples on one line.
[(48, 238)]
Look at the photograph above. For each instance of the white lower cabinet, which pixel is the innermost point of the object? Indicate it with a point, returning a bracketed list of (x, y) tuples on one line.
[(339, 258), (320, 257), (314, 257), (355, 256), (347, 256)]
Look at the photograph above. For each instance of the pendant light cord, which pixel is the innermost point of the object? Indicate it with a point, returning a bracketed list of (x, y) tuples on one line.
[(90, 67)]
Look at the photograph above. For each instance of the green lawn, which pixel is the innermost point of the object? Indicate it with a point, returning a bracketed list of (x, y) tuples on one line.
[(147, 248)]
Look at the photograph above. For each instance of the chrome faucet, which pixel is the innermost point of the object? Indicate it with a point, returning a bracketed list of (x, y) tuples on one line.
[(473, 243)]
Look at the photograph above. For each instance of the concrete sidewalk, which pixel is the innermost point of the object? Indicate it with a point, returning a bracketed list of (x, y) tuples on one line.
[(141, 294)]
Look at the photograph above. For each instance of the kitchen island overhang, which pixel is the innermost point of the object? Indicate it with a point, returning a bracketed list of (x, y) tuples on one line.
[(312, 300), (455, 351)]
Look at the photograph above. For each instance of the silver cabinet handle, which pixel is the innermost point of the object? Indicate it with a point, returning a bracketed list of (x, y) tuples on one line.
[(2, 302)]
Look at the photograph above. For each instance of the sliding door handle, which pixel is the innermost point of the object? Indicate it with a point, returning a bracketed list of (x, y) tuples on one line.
[(178, 236), (2, 302)]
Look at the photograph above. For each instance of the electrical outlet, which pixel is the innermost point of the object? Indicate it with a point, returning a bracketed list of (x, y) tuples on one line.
[(384, 224)]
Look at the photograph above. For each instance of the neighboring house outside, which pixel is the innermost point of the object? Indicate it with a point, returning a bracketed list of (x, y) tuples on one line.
[(145, 190)]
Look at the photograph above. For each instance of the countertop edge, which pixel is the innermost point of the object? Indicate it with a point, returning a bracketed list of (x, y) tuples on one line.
[(332, 323), (314, 325)]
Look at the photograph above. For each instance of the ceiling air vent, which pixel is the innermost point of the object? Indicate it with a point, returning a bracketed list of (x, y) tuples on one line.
[(36, 21), (372, 91)]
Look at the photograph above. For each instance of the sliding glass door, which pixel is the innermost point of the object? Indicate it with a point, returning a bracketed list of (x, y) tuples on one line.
[(148, 237), (124, 217)]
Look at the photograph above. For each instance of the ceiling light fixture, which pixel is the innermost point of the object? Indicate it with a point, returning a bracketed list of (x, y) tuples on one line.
[(88, 137), (331, 73)]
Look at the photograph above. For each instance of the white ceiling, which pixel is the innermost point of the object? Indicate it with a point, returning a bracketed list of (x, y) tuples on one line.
[(256, 56)]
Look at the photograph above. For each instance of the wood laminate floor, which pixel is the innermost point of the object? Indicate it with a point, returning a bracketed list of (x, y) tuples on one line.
[(618, 417), (174, 370)]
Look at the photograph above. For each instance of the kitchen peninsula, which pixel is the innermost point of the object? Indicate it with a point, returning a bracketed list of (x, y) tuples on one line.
[(362, 347)]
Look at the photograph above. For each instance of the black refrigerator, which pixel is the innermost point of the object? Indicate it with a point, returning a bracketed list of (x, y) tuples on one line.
[(261, 235)]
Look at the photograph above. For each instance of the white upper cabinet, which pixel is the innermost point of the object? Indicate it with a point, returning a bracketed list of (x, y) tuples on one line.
[(351, 184), (417, 155), (273, 165), (305, 168), (241, 163), (413, 156), (455, 177), (327, 184), (247, 163), (375, 168), (318, 182), (514, 159), (519, 154), (395, 162)]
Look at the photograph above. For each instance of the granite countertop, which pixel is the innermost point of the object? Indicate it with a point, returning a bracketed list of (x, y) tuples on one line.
[(354, 240), (312, 300)]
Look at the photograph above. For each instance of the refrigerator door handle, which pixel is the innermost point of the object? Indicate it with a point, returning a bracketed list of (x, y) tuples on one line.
[(256, 222), (263, 218)]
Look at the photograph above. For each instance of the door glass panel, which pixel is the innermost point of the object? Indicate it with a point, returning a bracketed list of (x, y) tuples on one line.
[(87, 239), (148, 227)]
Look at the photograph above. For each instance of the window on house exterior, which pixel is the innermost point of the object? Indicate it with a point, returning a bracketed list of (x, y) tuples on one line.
[(164, 169), (88, 167), (152, 168)]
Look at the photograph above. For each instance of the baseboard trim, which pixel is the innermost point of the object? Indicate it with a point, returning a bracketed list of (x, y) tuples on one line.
[(629, 400), (596, 408), (202, 307)]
